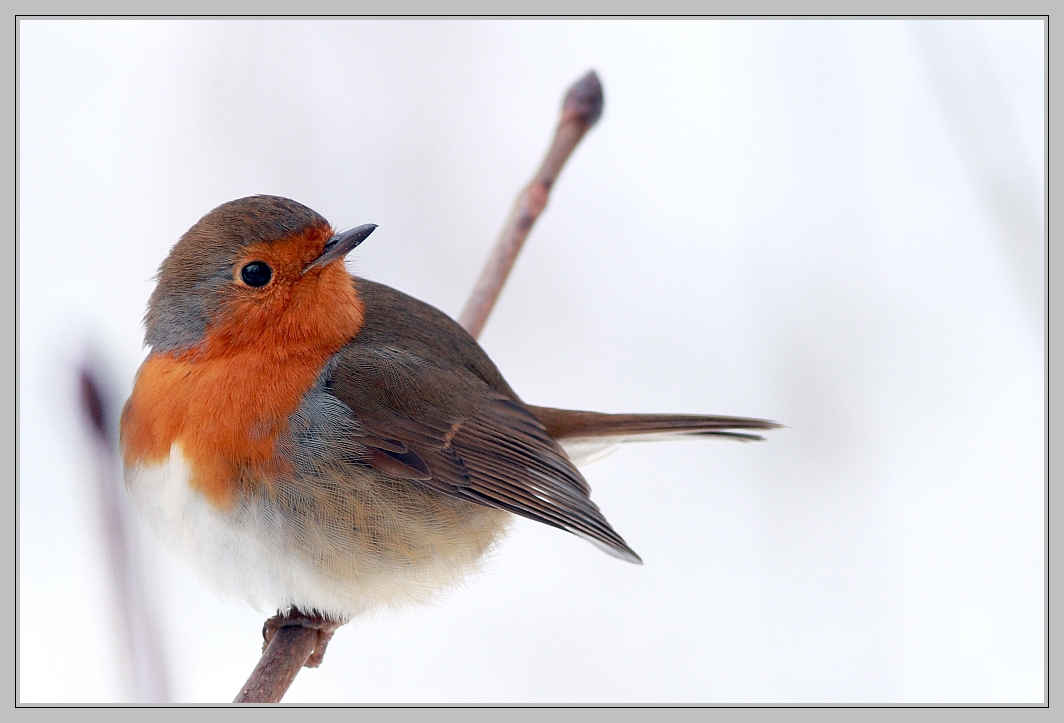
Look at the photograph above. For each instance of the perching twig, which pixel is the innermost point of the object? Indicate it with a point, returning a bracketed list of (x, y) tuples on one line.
[(580, 110), (293, 640), (278, 666), (144, 649), (292, 646)]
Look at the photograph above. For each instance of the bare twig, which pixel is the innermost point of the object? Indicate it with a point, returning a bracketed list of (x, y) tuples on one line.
[(144, 648), (580, 110), (278, 666), (293, 640), (294, 646)]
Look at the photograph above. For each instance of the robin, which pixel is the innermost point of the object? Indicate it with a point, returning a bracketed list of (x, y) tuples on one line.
[(319, 443)]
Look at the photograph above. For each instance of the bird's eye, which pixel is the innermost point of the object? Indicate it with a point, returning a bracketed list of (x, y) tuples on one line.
[(256, 274)]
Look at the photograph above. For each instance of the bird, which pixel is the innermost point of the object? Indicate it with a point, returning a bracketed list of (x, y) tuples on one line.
[(324, 445)]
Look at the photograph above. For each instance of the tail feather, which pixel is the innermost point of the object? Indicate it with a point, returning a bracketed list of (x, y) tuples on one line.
[(565, 424)]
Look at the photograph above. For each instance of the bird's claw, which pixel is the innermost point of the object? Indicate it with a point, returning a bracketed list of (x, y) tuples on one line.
[(297, 619)]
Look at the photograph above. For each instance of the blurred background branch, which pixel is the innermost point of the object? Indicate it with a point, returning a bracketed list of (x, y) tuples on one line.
[(144, 657)]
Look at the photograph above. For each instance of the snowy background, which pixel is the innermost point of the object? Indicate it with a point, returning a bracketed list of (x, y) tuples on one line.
[(835, 224)]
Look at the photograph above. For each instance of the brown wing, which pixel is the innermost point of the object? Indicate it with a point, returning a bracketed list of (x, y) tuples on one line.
[(437, 423)]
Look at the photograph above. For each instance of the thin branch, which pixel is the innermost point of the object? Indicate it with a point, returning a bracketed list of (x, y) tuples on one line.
[(292, 645), (279, 665), (293, 640), (143, 645), (581, 109)]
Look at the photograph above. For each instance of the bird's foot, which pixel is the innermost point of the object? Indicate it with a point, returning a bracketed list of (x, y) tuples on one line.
[(298, 619)]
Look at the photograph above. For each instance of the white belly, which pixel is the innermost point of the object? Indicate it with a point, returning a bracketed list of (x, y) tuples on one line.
[(343, 554)]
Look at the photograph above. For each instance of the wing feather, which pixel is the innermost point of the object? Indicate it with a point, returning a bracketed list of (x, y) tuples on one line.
[(449, 430)]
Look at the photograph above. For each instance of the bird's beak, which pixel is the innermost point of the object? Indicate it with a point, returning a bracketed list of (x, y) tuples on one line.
[(340, 245)]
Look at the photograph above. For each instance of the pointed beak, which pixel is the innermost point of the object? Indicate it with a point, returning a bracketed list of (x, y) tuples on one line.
[(340, 245)]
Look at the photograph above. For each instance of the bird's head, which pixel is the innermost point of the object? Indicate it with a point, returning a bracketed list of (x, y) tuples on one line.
[(259, 272)]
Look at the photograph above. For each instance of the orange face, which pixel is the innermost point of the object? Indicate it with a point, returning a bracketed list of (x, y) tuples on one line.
[(293, 311), (227, 399)]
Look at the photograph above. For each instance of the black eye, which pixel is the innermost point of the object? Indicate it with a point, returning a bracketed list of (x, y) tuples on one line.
[(256, 274)]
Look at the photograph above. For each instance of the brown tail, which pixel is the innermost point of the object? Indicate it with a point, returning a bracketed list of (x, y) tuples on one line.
[(565, 424)]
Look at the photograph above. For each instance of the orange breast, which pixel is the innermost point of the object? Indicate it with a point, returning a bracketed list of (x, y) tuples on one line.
[(227, 401)]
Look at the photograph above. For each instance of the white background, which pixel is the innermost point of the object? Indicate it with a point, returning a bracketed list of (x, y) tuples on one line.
[(836, 224)]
